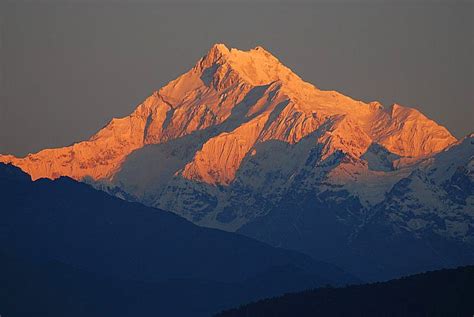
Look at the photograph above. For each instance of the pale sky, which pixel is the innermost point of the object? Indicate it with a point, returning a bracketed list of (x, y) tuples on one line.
[(68, 67)]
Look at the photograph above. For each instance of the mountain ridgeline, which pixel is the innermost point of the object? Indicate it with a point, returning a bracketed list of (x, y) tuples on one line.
[(437, 293), (243, 144), (69, 250)]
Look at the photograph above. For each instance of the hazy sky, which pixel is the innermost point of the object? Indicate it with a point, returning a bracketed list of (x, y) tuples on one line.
[(67, 69)]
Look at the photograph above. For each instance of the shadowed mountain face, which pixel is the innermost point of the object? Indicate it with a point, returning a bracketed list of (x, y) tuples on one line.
[(241, 143), (80, 250), (424, 222), (438, 293)]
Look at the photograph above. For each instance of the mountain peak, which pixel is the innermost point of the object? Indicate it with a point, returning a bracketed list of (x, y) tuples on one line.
[(216, 55), (220, 47), (252, 98), (256, 66), (217, 50)]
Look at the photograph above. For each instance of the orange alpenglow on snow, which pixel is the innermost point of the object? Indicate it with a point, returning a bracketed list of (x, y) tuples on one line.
[(254, 98)]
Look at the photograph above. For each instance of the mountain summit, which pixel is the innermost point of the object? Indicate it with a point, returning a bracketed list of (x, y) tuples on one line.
[(241, 143), (252, 98)]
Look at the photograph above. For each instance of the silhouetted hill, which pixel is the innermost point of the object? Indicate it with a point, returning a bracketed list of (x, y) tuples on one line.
[(67, 249), (438, 293)]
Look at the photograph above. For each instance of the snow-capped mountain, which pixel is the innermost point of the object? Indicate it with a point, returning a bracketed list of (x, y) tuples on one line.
[(241, 143)]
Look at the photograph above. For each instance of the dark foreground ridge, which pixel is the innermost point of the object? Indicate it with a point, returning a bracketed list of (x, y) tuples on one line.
[(438, 293), (67, 249)]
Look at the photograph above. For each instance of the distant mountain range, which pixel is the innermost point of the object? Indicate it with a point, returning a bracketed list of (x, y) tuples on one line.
[(69, 250), (438, 293), (241, 143)]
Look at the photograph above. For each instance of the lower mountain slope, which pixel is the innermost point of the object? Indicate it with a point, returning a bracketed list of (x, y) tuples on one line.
[(437, 293), (69, 243)]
